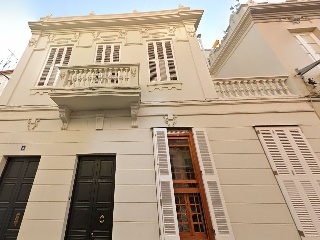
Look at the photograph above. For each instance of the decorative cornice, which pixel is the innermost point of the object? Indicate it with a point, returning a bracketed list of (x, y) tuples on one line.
[(286, 10), (166, 16)]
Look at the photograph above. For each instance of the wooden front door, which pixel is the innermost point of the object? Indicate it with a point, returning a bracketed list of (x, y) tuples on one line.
[(15, 186), (91, 211)]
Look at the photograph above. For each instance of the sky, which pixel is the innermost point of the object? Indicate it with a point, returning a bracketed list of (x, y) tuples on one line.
[(15, 15)]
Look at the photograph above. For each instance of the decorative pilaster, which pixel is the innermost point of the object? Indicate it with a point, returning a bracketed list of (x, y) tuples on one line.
[(134, 115), (64, 114)]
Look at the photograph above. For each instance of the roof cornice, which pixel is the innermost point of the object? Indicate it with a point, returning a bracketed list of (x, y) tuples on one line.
[(127, 19), (287, 10)]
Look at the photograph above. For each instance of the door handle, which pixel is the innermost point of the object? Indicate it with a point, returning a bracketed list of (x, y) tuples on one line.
[(101, 219)]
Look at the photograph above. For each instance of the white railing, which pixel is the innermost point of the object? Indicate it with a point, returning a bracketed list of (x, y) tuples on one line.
[(253, 87), (111, 75)]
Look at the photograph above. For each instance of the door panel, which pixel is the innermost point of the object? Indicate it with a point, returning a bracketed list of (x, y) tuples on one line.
[(15, 187), (91, 211)]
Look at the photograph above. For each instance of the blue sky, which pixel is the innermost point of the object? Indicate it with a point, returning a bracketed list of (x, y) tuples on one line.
[(15, 15)]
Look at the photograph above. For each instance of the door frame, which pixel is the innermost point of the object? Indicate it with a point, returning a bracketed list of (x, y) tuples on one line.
[(72, 188)]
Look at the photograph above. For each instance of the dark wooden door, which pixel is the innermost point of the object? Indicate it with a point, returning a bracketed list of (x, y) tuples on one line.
[(91, 211), (15, 186)]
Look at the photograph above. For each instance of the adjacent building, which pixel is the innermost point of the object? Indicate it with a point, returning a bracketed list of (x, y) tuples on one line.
[(269, 60)]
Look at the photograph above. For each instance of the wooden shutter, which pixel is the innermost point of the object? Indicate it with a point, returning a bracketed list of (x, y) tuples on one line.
[(99, 54), (297, 171), (57, 57), (107, 53), (48, 67), (217, 206), (152, 63), (161, 61), (166, 202), (170, 61), (116, 53)]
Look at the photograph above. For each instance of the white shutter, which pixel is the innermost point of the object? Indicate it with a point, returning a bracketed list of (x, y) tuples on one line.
[(298, 174), (166, 201), (47, 68), (161, 61), (107, 53), (217, 206), (57, 57)]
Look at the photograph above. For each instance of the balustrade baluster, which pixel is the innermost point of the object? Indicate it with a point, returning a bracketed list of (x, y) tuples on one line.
[(253, 87), (223, 89), (279, 87), (266, 84), (218, 88), (234, 89), (228, 92), (126, 76), (260, 87), (120, 76), (69, 80), (241, 90), (273, 87), (285, 87)]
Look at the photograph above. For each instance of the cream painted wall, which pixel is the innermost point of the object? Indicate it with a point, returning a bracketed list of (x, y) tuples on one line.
[(252, 57), (254, 202)]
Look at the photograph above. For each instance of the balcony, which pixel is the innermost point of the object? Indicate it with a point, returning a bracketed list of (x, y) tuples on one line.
[(252, 88), (97, 87)]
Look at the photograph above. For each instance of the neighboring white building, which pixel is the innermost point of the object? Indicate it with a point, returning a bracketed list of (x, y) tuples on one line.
[(111, 127), (270, 54)]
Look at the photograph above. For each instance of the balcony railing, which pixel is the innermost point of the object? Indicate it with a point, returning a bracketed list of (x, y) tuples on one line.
[(119, 75), (97, 88), (255, 87)]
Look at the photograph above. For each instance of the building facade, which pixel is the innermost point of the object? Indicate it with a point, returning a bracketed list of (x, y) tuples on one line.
[(112, 128)]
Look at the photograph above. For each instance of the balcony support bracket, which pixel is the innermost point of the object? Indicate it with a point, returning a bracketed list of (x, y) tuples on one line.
[(134, 115), (64, 114)]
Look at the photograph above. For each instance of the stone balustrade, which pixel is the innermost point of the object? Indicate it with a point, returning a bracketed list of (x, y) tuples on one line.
[(253, 87), (111, 75)]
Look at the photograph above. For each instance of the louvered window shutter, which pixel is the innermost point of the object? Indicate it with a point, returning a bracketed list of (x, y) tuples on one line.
[(297, 171), (217, 206), (166, 202), (48, 67), (107, 53), (57, 57), (161, 61)]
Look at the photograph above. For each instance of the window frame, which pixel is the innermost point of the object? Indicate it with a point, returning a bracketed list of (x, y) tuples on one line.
[(52, 66), (209, 234), (166, 61), (311, 52), (103, 53)]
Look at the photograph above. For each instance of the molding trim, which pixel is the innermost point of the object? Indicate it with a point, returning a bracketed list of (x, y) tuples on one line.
[(167, 16)]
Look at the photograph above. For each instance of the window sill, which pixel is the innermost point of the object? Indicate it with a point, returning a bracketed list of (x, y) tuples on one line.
[(164, 85), (40, 90)]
